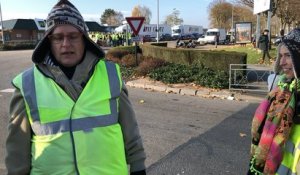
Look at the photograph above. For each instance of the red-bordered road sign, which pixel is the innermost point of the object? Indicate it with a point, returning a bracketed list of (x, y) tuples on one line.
[(135, 23)]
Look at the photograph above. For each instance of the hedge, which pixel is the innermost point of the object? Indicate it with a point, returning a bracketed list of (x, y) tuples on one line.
[(128, 49), (213, 59), (17, 46)]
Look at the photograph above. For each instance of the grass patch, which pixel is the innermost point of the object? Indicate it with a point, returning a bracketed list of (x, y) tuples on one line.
[(253, 54)]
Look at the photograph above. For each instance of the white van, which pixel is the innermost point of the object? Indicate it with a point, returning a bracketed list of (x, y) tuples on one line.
[(209, 37), (181, 30)]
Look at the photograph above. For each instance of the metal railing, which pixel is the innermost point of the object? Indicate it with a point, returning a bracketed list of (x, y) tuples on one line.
[(249, 77)]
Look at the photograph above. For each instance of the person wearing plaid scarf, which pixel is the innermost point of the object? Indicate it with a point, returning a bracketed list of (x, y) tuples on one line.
[(275, 126)]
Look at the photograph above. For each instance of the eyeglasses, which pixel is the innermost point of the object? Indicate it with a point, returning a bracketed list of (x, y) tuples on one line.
[(59, 38)]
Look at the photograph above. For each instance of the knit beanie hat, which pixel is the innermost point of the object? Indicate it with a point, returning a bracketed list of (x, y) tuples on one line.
[(64, 12), (292, 42)]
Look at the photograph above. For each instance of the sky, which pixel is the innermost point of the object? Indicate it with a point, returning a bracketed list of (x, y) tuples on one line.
[(193, 12)]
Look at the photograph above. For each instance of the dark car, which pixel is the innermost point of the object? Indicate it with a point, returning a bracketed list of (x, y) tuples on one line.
[(187, 37), (165, 37), (147, 38), (196, 35), (176, 37)]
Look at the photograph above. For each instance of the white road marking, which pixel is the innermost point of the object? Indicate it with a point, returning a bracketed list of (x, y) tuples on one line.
[(8, 90)]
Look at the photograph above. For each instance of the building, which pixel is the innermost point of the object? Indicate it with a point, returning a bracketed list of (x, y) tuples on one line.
[(33, 30), (23, 30), (96, 27)]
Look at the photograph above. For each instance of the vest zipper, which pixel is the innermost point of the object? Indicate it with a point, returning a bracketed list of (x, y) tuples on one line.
[(73, 142)]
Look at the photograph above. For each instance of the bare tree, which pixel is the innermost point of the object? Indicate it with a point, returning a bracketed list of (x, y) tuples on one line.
[(220, 14), (288, 12), (142, 11), (249, 3), (242, 13), (173, 18), (223, 14)]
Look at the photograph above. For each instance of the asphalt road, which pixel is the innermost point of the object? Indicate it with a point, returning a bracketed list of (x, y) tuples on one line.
[(182, 134)]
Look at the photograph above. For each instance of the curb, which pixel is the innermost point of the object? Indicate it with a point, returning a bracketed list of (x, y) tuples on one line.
[(203, 93)]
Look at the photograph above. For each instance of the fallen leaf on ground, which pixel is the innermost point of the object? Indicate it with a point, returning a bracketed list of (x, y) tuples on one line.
[(243, 134)]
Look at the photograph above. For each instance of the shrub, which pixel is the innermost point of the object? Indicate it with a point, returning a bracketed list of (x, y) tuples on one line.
[(213, 79), (128, 60), (149, 64), (214, 59), (161, 44), (175, 73), (127, 73), (114, 54), (117, 53), (17, 46), (129, 49), (115, 60), (172, 73)]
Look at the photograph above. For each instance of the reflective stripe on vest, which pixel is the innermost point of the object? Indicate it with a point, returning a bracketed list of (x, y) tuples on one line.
[(291, 153), (283, 170), (77, 124)]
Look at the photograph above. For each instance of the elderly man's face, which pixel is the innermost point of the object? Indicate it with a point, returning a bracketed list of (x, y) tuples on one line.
[(286, 62), (67, 45)]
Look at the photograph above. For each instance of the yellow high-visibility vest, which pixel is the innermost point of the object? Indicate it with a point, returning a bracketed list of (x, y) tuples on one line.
[(291, 153), (75, 137)]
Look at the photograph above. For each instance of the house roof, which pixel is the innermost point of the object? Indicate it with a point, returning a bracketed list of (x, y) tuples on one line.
[(95, 27), (29, 24), (20, 24)]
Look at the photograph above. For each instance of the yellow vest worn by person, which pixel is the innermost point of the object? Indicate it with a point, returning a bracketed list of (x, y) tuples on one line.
[(291, 153), (75, 137)]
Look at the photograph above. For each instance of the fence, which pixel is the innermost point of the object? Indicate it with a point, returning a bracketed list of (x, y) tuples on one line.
[(249, 77)]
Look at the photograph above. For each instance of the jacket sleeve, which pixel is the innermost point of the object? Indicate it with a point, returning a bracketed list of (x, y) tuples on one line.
[(18, 142), (135, 155), (261, 39)]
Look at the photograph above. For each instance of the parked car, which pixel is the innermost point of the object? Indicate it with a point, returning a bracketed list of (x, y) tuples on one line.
[(165, 37), (197, 35), (147, 38), (176, 37), (187, 37), (197, 41)]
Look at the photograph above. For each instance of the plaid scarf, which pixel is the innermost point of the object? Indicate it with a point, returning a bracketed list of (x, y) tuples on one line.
[(271, 127)]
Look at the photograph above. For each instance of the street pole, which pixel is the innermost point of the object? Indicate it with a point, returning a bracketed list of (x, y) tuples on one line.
[(157, 29), (136, 57), (257, 29), (127, 44), (231, 30), (269, 26), (232, 17), (2, 27)]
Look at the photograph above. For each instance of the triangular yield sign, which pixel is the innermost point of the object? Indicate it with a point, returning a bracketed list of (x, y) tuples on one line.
[(135, 23)]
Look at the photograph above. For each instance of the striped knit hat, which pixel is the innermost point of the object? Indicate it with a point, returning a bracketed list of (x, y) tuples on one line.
[(292, 42), (64, 12)]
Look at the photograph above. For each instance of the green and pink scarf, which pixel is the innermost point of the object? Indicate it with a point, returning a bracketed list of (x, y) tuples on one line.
[(271, 127)]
